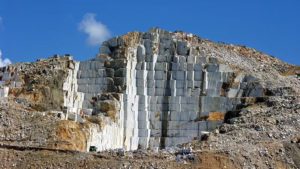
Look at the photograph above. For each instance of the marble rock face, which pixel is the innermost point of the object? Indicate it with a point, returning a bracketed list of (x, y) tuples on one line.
[(170, 91), (150, 90)]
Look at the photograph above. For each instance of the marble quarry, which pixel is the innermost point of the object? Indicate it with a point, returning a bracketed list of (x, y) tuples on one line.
[(150, 90)]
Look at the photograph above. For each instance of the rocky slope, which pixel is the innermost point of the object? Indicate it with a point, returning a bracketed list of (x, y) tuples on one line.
[(155, 95)]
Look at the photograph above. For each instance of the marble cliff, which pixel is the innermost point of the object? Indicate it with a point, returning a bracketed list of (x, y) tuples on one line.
[(146, 90)]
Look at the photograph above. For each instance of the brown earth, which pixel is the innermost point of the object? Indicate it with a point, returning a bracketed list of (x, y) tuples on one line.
[(51, 159), (215, 116), (70, 135)]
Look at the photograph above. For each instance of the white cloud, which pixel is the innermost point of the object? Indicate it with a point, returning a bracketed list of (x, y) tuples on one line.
[(97, 32), (4, 62)]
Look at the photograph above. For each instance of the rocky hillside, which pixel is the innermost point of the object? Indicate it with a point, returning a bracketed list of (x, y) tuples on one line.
[(154, 99)]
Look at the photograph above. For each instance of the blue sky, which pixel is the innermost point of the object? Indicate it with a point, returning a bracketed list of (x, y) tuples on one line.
[(31, 29)]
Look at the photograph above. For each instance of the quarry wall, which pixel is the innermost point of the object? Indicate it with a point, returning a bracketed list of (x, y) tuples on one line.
[(145, 90)]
